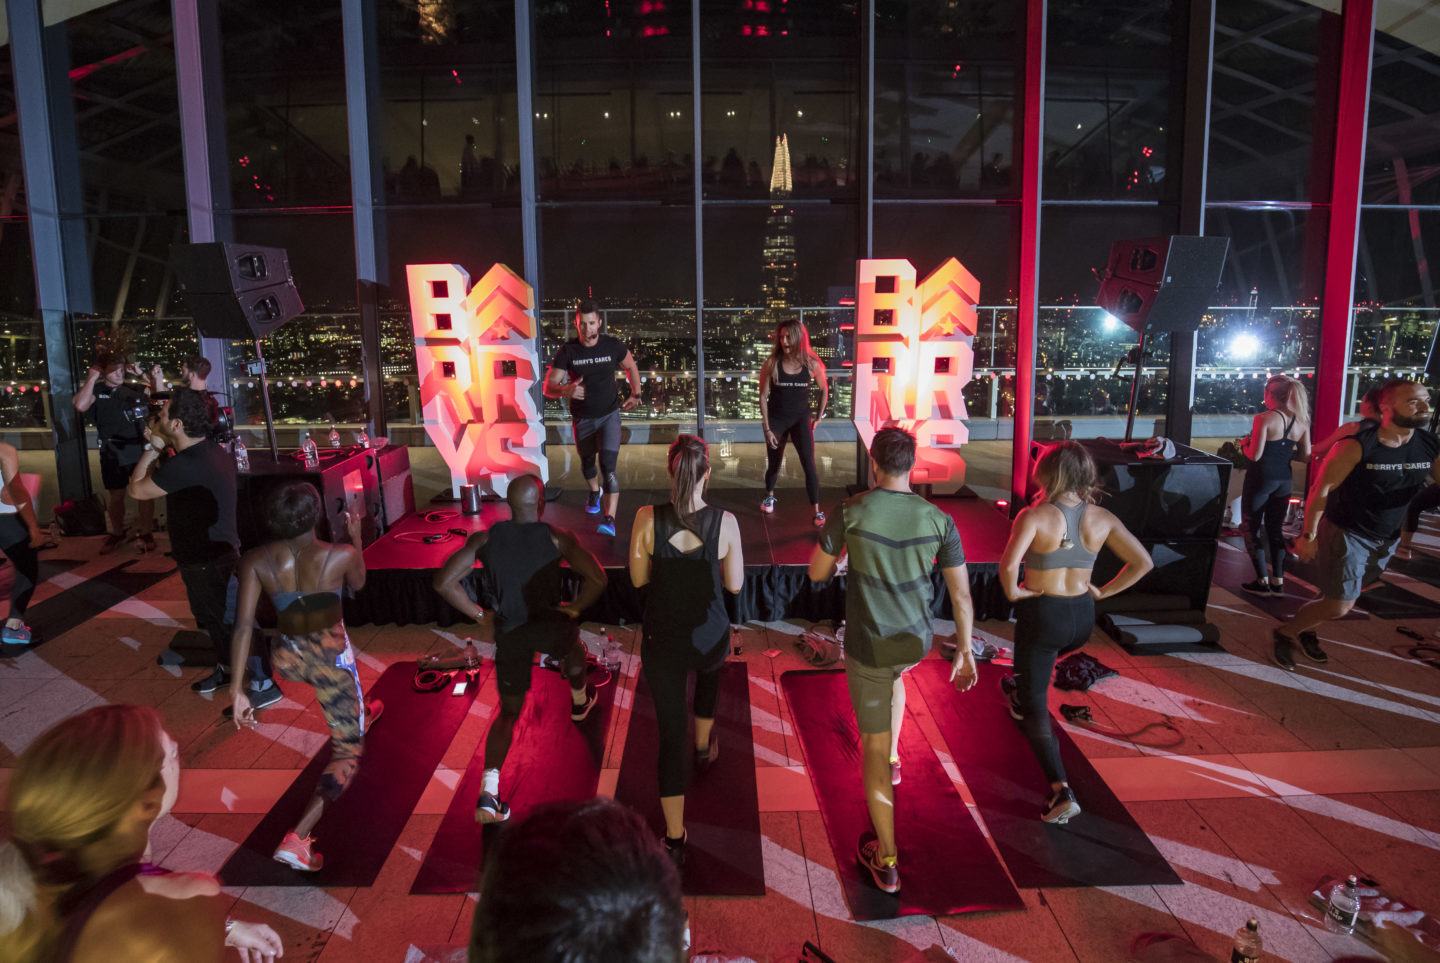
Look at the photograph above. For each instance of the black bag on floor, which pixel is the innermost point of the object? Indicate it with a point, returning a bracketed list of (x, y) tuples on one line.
[(80, 517)]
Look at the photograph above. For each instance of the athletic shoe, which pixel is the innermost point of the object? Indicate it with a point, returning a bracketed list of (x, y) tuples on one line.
[(1011, 688), (490, 809), (549, 662), (1310, 645), (111, 543), (580, 712), (819, 519), (1257, 587), (767, 504), (1277, 589), (20, 635), (299, 853), (263, 698), (1283, 654), (675, 849), (894, 772), (374, 709), (212, 682), (1062, 807), (705, 758), (607, 527), (146, 542), (592, 503), (884, 870)]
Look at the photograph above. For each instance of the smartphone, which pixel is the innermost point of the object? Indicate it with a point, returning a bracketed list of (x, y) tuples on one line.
[(459, 688)]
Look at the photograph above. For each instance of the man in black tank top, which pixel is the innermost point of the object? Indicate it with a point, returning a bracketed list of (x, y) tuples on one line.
[(522, 577), (1366, 484)]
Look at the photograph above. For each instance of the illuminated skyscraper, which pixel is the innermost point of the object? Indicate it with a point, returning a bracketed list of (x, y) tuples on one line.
[(779, 251)]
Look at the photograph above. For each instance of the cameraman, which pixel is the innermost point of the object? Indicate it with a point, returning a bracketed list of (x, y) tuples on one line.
[(198, 484), (120, 425)]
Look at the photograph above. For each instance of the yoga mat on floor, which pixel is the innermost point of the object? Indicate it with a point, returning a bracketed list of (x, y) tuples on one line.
[(1103, 846), (1233, 569), (1390, 601), (551, 759), (946, 866), (358, 831), (722, 809), (1424, 567)]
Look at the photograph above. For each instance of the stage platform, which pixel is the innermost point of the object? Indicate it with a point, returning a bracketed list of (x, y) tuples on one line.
[(777, 552)]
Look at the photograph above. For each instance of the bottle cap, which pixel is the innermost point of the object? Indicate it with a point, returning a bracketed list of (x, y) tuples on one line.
[(1352, 880), (1252, 924)]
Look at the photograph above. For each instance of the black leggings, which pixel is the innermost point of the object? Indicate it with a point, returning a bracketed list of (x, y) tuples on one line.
[(15, 542), (1263, 504), (666, 678), (802, 435), (1427, 501), (1046, 627)]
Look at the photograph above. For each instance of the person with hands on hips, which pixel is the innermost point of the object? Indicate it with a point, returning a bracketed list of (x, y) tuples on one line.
[(20, 540), (785, 414)]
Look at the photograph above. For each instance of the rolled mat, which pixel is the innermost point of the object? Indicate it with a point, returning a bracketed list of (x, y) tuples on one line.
[(1123, 619), (1147, 636), (1103, 846), (946, 866), (359, 829), (722, 809), (551, 759)]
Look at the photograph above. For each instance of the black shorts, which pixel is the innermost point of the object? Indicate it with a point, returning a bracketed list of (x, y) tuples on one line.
[(116, 464), (515, 652)]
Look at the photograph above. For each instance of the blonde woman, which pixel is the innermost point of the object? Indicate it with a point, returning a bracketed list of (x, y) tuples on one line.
[(74, 884), (1279, 435), (1058, 537)]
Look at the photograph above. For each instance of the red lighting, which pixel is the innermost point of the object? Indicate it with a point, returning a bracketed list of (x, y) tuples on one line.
[(847, 364), (1147, 151), (847, 327), (456, 74), (746, 30), (1002, 504), (847, 302), (244, 160), (762, 31)]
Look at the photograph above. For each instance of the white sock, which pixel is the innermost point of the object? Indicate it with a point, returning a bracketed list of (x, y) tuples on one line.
[(579, 696), (490, 782)]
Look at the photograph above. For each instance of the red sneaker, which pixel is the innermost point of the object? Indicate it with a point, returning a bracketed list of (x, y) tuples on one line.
[(884, 870), (894, 772), (299, 853)]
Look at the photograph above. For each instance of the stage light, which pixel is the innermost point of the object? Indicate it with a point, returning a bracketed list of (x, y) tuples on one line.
[(1244, 346), (1002, 504), (1109, 322)]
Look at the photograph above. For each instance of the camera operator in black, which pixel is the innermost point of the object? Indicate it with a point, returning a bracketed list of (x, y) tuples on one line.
[(119, 413), (199, 488)]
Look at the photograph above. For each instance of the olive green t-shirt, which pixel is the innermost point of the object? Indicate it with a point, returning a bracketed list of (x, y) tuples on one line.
[(895, 540)]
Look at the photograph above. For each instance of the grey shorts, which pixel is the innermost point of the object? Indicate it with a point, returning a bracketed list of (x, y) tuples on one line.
[(1346, 562), (871, 690)]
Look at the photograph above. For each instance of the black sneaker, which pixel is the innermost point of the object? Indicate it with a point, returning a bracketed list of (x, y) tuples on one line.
[(1258, 587), (1062, 807), (1310, 645), (261, 698), (214, 681), (490, 808), (1284, 651), (675, 849), (592, 503), (1011, 689), (579, 713)]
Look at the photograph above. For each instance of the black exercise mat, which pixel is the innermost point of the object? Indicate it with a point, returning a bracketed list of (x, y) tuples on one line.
[(358, 830), (1390, 601), (1233, 569), (722, 809), (946, 866), (1103, 846), (551, 759), (1422, 567)]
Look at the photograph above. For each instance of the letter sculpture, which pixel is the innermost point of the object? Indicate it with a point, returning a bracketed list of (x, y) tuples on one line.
[(914, 355), (476, 359)]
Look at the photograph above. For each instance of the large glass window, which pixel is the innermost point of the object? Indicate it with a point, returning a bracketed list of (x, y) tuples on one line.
[(22, 351), (1402, 144)]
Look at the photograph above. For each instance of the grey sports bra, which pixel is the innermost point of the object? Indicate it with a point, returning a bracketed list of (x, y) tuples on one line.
[(1072, 552)]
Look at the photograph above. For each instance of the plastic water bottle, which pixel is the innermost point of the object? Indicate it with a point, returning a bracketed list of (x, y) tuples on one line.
[(334, 438), (1342, 911), (1247, 943), (242, 454), (311, 453), (362, 438), (611, 654)]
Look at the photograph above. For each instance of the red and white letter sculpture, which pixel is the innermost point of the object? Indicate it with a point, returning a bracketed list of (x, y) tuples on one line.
[(914, 355), (476, 359)]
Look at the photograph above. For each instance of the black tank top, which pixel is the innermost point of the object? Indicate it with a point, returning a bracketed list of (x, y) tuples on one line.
[(1274, 461), (1372, 500), (522, 572), (685, 613), (789, 393)]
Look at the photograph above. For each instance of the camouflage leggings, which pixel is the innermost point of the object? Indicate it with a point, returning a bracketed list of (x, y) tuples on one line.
[(325, 661)]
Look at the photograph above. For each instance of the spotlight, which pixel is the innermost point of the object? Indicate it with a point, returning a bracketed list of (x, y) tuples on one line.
[(1244, 346), (1109, 322)]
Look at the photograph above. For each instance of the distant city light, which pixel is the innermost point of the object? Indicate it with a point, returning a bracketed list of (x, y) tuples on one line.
[(1244, 346)]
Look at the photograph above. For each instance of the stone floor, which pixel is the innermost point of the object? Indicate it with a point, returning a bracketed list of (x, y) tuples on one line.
[(1252, 782)]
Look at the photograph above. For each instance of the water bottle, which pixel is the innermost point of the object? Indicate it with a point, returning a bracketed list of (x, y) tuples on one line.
[(611, 654), (242, 455), (1342, 911), (1247, 943), (311, 453), (362, 438), (334, 438)]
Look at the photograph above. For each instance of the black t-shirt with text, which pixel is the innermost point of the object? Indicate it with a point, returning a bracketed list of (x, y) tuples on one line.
[(1373, 498), (595, 367), (118, 431), (199, 485)]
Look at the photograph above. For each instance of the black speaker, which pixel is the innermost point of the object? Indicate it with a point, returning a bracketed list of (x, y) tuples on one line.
[(397, 487), (1183, 567), (238, 292), (1163, 283), (342, 481)]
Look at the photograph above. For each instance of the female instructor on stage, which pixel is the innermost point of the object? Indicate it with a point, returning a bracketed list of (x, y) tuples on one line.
[(785, 380)]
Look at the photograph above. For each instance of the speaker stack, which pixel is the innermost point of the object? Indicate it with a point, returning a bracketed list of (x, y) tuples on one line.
[(237, 292), (1175, 508)]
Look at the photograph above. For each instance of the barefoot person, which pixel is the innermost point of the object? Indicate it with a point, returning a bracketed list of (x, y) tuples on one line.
[(1355, 511), (785, 413), (1279, 435), (688, 553), (584, 372), (895, 539), (522, 559), (305, 579), (1058, 537)]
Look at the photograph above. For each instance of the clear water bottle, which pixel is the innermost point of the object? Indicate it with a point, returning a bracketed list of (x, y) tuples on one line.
[(1342, 910), (362, 438), (311, 453), (1247, 943), (610, 655), (334, 438), (241, 453)]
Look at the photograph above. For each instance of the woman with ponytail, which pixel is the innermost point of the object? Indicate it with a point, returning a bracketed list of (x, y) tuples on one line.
[(1279, 435), (688, 553), (74, 885)]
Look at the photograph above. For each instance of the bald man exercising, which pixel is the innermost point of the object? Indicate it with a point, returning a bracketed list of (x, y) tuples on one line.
[(522, 571)]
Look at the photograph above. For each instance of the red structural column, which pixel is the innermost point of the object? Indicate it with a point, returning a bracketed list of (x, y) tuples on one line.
[(1030, 162), (1357, 29)]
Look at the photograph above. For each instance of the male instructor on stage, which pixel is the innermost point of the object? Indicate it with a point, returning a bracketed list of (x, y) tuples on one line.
[(584, 372)]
